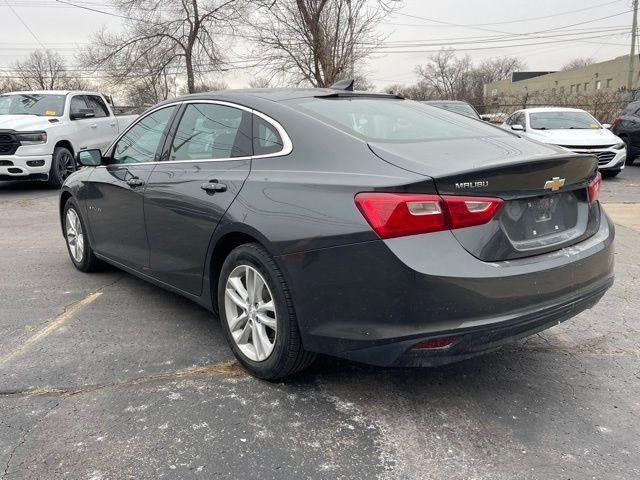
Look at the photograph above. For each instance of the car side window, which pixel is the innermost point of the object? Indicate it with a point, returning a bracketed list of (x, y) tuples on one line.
[(212, 131), (519, 120), (78, 103), (509, 121), (141, 142), (266, 138), (100, 110)]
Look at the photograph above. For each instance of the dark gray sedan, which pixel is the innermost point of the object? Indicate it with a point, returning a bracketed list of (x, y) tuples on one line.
[(363, 226)]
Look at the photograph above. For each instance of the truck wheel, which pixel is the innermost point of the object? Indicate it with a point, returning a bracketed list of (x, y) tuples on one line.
[(62, 165)]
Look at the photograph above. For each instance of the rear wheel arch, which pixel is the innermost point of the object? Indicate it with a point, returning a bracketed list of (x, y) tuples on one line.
[(233, 236)]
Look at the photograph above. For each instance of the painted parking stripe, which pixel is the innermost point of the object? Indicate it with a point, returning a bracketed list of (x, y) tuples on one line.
[(50, 327)]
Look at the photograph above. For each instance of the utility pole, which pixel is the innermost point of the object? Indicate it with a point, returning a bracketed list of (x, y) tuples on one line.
[(632, 54)]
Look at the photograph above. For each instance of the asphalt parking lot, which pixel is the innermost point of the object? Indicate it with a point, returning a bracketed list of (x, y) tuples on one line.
[(103, 376)]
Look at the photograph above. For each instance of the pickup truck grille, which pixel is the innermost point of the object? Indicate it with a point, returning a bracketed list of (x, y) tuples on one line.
[(8, 144)]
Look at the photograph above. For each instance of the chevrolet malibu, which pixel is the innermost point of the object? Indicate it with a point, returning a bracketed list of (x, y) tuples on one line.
[(363, 226)]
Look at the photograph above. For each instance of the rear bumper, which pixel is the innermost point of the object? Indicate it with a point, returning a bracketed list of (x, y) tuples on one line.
[(19, 167), (372, 302)]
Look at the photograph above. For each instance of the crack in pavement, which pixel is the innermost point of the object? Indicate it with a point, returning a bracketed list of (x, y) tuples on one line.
[(231, 369), (24, 438)]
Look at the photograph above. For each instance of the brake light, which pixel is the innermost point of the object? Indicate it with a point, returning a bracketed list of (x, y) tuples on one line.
[(400, 214), (593, 189)]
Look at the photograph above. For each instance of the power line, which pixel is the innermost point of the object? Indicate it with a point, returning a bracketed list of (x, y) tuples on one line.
[(521, 20), (25, 25)]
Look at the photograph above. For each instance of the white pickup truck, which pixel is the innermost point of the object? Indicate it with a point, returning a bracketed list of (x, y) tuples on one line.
[(42, 131)]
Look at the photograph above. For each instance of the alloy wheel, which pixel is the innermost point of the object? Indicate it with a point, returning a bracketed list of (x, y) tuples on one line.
[(66, 165), (250, 313), (75, 236)]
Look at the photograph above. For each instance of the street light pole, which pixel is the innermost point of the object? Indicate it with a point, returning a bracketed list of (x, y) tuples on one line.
[(632, 54)]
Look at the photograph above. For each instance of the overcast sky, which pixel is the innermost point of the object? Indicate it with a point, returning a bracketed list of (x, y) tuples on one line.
[(65, 28)]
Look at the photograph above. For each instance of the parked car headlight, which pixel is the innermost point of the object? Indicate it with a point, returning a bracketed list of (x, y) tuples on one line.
[(619, 146), (32, 138)]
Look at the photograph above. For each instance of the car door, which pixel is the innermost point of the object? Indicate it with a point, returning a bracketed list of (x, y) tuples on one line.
[(208, 158), (115, 190), (104, 127)]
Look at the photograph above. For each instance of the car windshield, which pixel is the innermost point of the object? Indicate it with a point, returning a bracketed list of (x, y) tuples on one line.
[(388, 119), (562, 121), (461, 108), (47, 105)]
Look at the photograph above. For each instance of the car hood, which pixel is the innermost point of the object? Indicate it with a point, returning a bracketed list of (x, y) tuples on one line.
[(582, 138), (24, 122)]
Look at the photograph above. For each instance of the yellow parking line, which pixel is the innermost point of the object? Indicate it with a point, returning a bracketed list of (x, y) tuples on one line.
[(50, 327)]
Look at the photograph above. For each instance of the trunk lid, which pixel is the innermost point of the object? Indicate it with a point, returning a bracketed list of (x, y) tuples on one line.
[(546, 206)]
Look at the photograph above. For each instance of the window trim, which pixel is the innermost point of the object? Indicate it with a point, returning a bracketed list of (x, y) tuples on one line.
[(111, 148), (287, 145)]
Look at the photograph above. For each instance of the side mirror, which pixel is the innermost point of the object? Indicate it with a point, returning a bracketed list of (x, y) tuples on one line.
[(82, 113), (517, 128), (486, 118), (89, 158), (606, 125)]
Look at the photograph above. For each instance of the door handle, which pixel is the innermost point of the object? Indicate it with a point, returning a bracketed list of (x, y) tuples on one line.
[(113, 124), (135, 182), (94, 125), (213, 186)]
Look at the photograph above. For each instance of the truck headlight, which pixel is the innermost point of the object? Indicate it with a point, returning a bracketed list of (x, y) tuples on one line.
[(32, 138), (619, 146)]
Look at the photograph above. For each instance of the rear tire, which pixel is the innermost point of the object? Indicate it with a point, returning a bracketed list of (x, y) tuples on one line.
[(630, 158), (78, 245), (281, 352), (62, 165)]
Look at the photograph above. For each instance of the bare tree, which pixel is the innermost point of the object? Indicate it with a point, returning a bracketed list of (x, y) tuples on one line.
[(259, 82), (209, 86), (578, 62), (447, 75), (44, 70), (317, 42), (178, 36)]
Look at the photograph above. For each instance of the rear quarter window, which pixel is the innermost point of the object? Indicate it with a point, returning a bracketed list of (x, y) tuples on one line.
[(394, 120)]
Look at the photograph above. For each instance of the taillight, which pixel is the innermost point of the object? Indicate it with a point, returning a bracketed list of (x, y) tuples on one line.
[(399, 214), (594, 188)]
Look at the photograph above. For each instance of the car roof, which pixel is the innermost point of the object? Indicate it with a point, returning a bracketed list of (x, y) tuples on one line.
[(249, 96), (440, 102), (52, 92), (550, 109)]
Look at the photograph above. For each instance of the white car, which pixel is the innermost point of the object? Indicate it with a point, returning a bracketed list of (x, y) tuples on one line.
[(573, 129), (42, 131)]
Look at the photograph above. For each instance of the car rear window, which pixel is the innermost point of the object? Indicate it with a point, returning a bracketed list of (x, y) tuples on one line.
[(387, 119)]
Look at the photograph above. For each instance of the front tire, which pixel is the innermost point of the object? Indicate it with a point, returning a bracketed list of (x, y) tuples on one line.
[(257, 314), (62, 165), (78, 245)]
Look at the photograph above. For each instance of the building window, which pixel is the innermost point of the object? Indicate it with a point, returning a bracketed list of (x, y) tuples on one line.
[(577, 87), (609, 82), (598, 84), (494, 92), (553, 91), (572, 88), (561, 89), (586, 86)]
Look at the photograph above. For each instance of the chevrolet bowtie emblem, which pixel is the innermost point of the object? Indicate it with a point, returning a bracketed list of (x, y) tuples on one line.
[(556, 183)]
